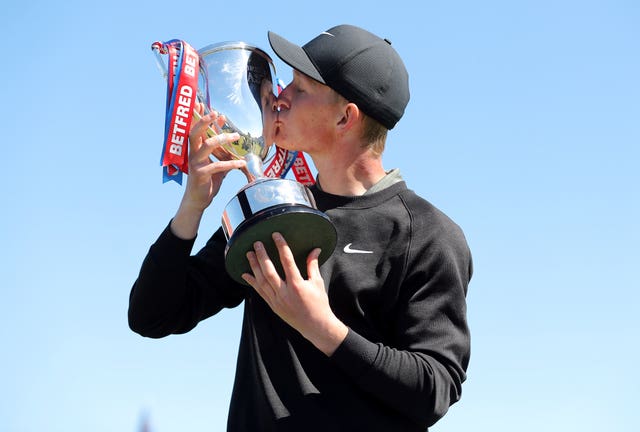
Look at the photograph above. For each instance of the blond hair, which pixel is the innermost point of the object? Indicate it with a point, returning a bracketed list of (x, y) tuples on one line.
[(374, 134)]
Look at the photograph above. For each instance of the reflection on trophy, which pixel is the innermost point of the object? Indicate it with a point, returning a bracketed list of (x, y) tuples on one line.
[(236, 80)]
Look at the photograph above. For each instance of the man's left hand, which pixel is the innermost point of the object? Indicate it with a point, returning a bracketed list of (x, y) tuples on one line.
[(301, 303)]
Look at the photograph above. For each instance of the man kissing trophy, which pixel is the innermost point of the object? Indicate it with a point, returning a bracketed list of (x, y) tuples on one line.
[(236, 79)]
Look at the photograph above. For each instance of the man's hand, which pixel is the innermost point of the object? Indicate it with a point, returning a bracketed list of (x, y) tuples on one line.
[(205, 176), (303, 304)]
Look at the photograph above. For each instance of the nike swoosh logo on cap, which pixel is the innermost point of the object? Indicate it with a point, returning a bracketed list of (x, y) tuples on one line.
[(347, 249), (327, 33)]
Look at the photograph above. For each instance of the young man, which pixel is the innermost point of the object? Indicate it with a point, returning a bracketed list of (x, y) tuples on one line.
[(376, 338)]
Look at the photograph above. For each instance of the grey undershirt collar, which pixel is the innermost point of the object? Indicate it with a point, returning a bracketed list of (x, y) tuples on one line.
[(393, 176)]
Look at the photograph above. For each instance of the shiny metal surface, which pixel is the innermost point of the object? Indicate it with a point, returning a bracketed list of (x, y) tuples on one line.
[(260, 195), (231, 82)]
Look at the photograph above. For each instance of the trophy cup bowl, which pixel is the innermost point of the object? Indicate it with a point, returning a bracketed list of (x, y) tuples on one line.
[(236, 80)]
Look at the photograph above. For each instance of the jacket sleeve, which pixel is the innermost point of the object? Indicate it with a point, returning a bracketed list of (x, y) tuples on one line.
[(420, 371), (175, 291)]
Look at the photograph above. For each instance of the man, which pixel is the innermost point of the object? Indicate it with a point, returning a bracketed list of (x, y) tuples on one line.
[(376, 338)]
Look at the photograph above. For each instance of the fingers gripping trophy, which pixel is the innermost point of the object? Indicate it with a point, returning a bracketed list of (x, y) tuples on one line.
[(237, 80)]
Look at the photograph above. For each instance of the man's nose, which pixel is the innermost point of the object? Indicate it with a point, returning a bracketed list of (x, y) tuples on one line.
[(280, 104)]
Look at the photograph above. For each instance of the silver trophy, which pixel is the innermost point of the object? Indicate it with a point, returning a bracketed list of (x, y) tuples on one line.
[(236, 80)]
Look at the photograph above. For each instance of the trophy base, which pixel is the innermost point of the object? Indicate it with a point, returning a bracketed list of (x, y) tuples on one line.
[(303, 228)]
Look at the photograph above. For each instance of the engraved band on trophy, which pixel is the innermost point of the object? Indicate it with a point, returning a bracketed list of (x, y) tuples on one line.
[(236, 80)]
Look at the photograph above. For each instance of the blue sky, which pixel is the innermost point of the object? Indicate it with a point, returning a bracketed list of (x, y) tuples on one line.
[(523, 126)]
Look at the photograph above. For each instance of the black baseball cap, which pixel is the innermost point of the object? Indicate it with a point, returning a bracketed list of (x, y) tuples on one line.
[(362, 67)]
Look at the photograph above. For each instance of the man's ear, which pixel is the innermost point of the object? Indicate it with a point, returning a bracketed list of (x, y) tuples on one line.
[(350, 116)]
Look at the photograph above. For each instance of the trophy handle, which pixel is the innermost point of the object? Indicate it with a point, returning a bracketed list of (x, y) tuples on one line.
[(221, 153), (158, 50)]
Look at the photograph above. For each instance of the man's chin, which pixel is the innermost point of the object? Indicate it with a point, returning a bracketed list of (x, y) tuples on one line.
[(281, 140), (284, 145)]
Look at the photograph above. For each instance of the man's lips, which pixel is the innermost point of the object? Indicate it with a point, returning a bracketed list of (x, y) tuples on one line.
[(277, 123)]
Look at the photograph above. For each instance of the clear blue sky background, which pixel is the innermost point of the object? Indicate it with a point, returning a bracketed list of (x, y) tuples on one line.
[(523, 126)]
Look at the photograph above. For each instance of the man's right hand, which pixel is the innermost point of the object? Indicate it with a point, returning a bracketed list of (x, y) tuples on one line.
[(205, 176)]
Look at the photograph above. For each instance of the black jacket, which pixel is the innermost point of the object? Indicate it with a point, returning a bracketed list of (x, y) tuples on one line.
[(404, 359)]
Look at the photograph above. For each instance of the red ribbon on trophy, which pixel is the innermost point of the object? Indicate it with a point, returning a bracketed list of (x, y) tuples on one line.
[(285, 160), (182, 87)]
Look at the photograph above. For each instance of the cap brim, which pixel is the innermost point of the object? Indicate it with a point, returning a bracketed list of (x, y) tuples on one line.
[(294, 56)]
